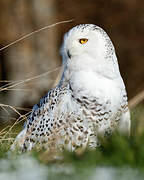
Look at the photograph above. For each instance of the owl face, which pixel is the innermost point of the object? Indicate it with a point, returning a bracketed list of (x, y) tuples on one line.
[(85, 41)]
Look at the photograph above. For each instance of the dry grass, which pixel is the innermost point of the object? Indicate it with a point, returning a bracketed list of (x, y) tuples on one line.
[(136, 100), (34, 32)]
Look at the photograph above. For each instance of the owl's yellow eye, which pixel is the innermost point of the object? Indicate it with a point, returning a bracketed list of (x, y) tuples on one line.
[(83, 41)]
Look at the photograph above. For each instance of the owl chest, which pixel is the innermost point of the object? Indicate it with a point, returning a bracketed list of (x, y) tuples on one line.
[(99, 99), (97, 89)]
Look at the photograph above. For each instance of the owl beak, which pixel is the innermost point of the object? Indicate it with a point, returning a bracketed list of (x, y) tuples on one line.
[(68, 53)]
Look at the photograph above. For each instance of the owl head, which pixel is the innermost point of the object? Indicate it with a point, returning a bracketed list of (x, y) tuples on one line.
[(86, 40), (87, 47)]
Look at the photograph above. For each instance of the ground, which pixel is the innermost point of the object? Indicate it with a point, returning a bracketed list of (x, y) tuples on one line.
[(118, 158)]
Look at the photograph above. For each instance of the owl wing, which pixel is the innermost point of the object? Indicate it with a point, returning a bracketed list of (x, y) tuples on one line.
[(41, 119), (125, 122)]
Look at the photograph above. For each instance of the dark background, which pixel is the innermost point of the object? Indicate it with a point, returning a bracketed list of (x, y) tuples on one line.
[(123, 20)]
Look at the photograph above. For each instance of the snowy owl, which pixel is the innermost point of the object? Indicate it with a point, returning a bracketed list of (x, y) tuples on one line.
[(89, 101)]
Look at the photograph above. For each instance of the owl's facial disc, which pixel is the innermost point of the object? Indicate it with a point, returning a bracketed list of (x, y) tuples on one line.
[(87, 42), (81, 41)]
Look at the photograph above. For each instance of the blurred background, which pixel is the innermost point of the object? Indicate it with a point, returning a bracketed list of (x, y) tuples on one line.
[(123, 20)]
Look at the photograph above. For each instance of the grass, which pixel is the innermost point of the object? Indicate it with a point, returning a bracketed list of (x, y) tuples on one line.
[(118, 152)]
